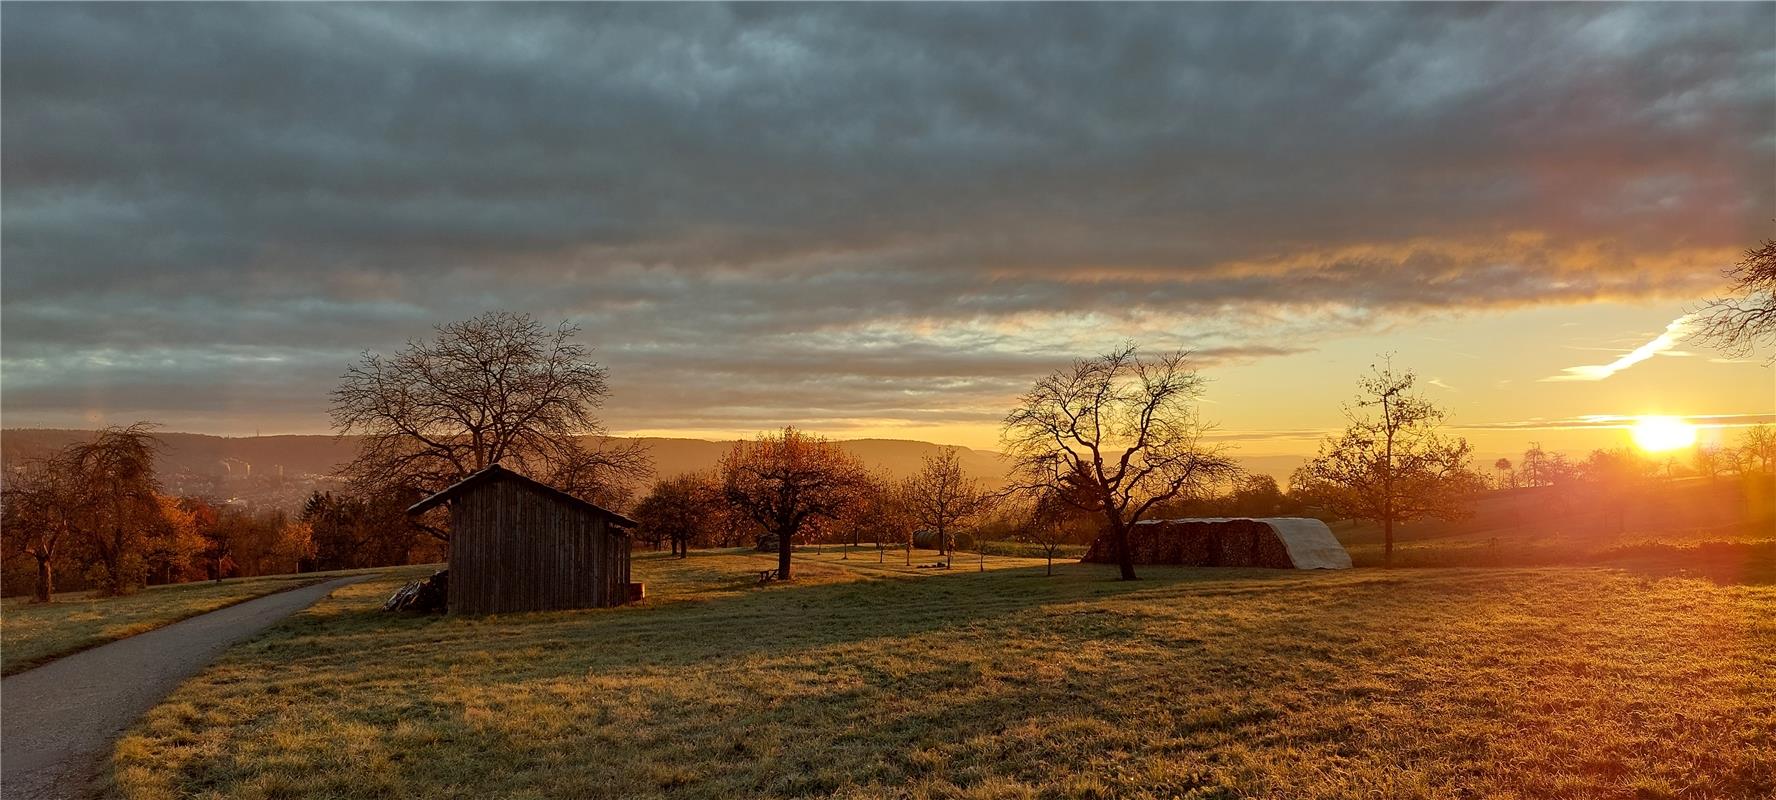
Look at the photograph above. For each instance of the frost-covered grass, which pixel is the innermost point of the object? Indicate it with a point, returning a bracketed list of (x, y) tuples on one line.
[(874, 680)]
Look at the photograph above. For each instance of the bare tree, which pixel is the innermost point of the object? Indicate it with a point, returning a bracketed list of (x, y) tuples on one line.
[(1118, 433), (940, 497), (1711, 461), (1534, 467), (1745, 318), (783, 481), (496, 389), (1392, 465), (1757, 448)]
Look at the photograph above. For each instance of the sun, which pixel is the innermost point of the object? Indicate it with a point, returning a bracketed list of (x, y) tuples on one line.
[(1658, 434)]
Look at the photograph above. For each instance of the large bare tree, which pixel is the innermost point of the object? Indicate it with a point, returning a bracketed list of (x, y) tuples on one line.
[(785, 480), (497, 389), (942, 497), (1115, 435), (1391, 464), (1744, 319)]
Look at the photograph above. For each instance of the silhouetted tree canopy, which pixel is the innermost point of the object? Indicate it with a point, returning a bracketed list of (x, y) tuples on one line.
[(1116, 435), (499, 388)]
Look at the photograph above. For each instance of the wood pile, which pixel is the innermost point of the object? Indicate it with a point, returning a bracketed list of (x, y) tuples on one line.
[(1198, 543), (426, 595)]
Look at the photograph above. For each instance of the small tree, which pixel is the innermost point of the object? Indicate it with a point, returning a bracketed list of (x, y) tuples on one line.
[(940, 497), (674, 511), (1256, 496), (1745, 318), (205, 518), (784, 480), (1507, 478), (994, 526), (1049, 523), (175, 547), (1391, 465), (1118, 434)]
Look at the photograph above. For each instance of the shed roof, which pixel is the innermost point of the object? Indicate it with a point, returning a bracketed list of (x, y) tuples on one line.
[(497, 472)]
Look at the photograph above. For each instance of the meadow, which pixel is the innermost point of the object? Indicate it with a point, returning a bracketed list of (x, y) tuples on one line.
[(34, 633), (865, 679)]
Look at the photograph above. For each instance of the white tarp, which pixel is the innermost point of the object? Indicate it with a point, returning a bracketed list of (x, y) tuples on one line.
[(1311, 544)]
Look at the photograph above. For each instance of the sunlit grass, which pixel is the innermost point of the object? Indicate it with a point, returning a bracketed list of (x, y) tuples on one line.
[(32, 634), (865, 680)]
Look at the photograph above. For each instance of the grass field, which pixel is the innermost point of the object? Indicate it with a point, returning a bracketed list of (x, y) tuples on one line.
[(32, 634), (865, 680)]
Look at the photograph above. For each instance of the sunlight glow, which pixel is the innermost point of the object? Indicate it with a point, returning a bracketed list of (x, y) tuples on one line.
[(1659, 434)]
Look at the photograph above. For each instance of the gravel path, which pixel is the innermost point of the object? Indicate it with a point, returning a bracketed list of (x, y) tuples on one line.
[(57, 722)]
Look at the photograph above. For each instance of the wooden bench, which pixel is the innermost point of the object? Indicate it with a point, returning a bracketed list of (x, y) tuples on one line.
[(766, 576)]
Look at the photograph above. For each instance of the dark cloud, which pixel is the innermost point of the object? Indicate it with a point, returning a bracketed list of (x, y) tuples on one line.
[(898, 211)]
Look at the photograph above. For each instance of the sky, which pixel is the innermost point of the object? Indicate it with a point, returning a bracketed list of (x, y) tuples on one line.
[(888, 220)]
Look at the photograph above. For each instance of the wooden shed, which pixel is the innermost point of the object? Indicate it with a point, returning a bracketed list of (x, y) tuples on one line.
[(522, 545)]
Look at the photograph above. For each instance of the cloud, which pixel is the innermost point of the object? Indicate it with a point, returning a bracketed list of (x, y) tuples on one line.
[(892, 212), (1611, 421), (1660, 345)]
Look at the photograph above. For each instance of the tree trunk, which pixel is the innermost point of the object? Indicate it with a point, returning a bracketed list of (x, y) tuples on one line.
[(1124, 559), (783, 555), (45, 580), (1387, 539)]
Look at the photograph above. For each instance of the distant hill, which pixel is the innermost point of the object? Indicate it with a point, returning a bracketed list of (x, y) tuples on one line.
[(295, 456), (203, 454)]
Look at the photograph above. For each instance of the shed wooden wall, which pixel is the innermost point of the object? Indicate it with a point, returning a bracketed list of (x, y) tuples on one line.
[(513, 548)]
